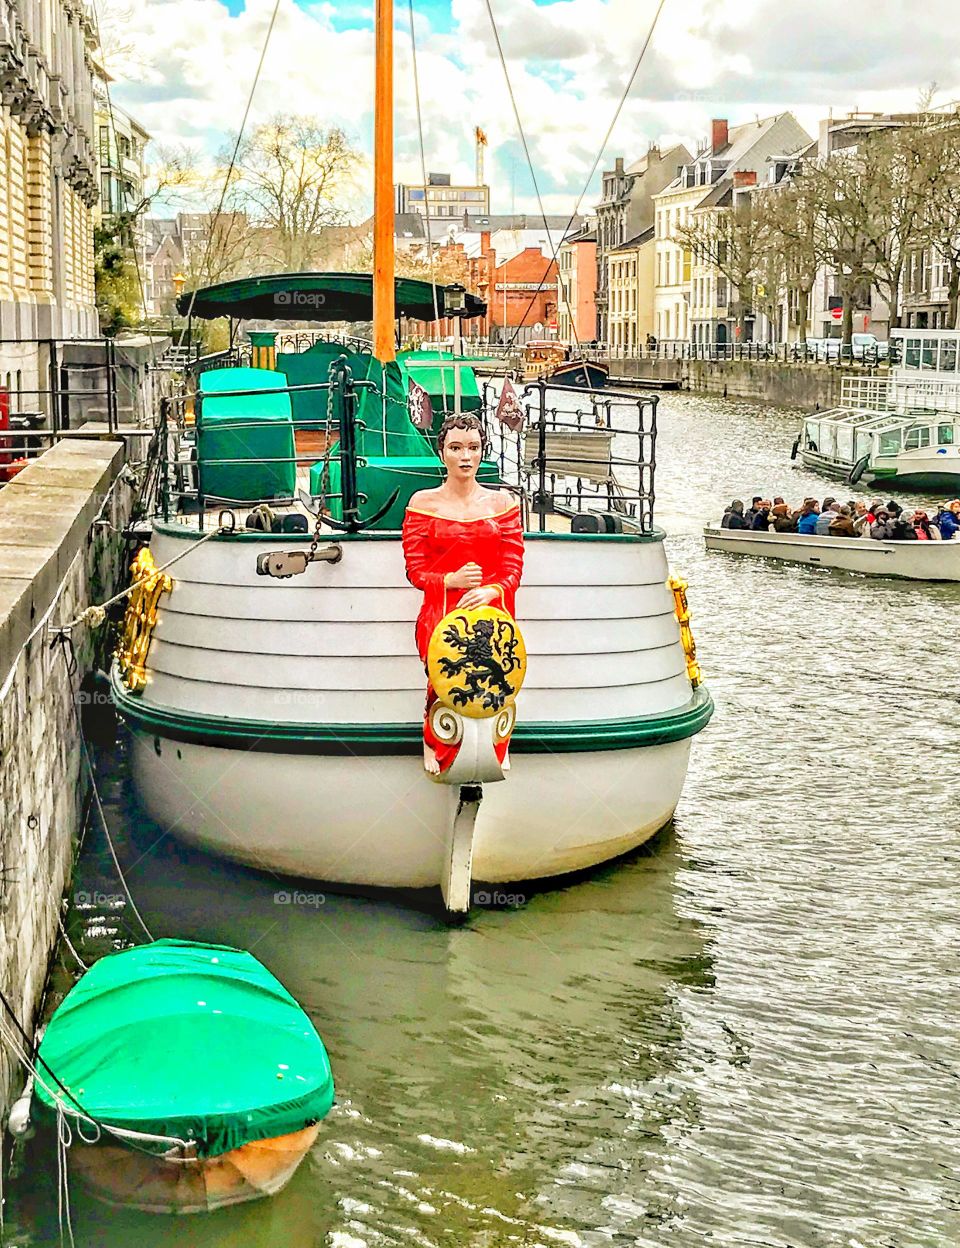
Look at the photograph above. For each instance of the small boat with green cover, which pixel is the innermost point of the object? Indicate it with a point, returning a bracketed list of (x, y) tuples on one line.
[(200, 1077)]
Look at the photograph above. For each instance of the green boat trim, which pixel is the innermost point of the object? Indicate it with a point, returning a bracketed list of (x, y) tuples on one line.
[(570, 737), (186, 1041), (170, 528)]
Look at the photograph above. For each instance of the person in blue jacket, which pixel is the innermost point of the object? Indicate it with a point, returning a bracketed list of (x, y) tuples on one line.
[(948, 521), (809, 514)]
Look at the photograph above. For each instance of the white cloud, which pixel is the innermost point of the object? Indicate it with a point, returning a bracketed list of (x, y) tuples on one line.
[(568, 62)]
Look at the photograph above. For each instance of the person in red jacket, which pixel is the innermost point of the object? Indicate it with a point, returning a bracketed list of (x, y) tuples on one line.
[(463, 546)]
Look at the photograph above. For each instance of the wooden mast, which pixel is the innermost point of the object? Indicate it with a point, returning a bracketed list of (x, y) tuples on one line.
[(384, 314)]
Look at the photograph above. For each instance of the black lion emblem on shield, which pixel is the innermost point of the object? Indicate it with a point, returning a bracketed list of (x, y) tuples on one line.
[(489, 654)]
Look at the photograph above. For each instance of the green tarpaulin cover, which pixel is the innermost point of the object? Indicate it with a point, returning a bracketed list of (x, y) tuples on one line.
[(194, 1041), (245, 443)]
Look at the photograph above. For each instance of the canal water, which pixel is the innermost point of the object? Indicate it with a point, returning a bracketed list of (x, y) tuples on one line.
[(746, 1035)]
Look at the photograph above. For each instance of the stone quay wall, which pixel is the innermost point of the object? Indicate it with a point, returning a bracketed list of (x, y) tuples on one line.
[(57, 556), (811, 386)]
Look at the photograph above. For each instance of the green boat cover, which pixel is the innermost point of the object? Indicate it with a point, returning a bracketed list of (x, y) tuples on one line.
[(254, 431), (198, 1042), (434, 370)]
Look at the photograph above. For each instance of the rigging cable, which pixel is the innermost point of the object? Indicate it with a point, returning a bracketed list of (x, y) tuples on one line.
[(606, 138), (533, 175), (230, 168), (426, 198)]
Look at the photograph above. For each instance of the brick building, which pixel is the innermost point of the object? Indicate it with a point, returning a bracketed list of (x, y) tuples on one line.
[(520, 292)]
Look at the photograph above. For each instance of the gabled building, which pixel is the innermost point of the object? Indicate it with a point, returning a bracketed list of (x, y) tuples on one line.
[(576, 286), (630, 294), (626, 209), (734, 158)]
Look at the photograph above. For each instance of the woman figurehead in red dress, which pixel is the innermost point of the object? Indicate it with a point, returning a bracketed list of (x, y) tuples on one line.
[(463, 545)]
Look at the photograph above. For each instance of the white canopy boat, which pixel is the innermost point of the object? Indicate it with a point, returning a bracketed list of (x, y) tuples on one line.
[(915, 561), (899, 431)]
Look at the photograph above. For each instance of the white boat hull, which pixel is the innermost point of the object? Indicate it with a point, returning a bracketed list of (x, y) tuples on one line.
[(281, 720), (916, 561), (377, 821)]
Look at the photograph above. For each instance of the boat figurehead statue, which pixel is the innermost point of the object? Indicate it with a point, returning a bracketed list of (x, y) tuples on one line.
[(463, 546)]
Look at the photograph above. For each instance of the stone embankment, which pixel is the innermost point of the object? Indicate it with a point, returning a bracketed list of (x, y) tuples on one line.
[(61, 549), (782, 385)]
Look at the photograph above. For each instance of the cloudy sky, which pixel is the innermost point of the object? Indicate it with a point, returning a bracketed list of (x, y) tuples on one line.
[(184, 68)]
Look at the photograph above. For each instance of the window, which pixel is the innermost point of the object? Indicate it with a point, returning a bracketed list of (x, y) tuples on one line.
[(911, 355), (916, 439), (889, 443), (948, 355), (945, 435)]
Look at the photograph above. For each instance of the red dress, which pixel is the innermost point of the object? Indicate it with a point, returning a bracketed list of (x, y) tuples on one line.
[(434, 546)]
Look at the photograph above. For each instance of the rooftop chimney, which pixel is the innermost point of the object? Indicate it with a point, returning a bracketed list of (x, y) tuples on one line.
[(719, 134), (744, 177)]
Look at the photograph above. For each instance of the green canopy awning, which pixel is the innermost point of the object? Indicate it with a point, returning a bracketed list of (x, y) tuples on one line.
[(315, 297), (197, 1042)]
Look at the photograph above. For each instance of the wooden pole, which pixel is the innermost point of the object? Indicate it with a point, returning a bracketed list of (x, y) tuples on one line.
[(384, 314)]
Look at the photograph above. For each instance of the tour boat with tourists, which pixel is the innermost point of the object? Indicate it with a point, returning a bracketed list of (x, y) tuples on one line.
[(898, 431), (268, 668), (914, 561)]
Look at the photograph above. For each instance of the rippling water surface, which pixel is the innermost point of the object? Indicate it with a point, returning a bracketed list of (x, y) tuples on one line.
[(747, 1035)]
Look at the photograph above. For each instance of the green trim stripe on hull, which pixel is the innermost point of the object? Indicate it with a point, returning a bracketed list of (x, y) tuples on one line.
[(915, 482), (347, 739)]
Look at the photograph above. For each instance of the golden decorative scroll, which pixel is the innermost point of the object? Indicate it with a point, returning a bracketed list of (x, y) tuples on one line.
[(139, 619), (476, 661), (679, 588)]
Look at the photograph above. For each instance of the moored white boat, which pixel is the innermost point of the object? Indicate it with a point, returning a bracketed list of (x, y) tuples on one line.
[(900, 431), (915, 561), (281, 720), (276, 703)]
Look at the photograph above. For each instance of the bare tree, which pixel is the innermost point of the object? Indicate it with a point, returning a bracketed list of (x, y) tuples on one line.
[(292, 178), (896, 165), (730, 240), (791, 214), (939, 225), (849, 206)]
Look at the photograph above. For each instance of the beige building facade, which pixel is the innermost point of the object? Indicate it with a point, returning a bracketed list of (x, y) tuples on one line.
[(630, 294), (576, 287), (692, 301), (48, 186)]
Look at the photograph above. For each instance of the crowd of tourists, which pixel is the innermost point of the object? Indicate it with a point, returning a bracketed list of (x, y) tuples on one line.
[(832, 518)]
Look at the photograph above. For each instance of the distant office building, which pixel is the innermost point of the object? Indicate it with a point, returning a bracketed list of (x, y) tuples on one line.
[(441, 201)]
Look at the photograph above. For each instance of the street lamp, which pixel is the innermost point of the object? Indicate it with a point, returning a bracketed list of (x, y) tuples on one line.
[(454, 305), (454, 299)]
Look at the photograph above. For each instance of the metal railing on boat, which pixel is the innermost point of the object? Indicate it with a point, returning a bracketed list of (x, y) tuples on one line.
[(571, 452)]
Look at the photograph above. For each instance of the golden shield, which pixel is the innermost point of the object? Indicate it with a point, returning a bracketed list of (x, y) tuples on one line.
[(476, 661)]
